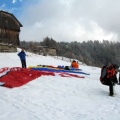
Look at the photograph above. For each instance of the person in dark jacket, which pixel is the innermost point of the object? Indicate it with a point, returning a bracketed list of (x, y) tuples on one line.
[(109, 76), (22, 56)]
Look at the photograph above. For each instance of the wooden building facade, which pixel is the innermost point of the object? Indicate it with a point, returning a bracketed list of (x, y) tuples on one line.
[(9, 29)]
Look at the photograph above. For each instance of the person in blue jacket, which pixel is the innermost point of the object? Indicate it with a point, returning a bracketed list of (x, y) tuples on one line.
[(22, 56)]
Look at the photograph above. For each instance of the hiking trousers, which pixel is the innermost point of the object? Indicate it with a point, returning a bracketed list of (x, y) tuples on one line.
[(111, 90), (111, 84), (23, 62)]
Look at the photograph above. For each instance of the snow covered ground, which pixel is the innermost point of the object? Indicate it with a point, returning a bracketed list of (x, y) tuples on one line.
[(55, 97)]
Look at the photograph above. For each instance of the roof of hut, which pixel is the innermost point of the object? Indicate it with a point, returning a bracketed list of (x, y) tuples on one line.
[(9, 21)]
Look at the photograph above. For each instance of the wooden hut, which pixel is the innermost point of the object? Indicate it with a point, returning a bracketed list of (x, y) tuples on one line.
[(7, 48), (45, 50), (9, 28)]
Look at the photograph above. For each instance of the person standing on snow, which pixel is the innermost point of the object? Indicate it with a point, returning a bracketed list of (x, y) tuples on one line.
[(109, 76), (22, 56)]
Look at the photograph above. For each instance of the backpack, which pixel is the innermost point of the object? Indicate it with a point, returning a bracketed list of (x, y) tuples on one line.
[(107, 72), (67, 68), (103, 73)]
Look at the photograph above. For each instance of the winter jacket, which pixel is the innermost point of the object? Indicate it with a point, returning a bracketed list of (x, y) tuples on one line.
[(74, 65), (22, 55)]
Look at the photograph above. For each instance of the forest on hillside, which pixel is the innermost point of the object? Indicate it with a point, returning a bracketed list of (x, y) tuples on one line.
[(94, 53)]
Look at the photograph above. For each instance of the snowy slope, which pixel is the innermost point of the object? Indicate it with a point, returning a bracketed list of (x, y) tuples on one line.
[(55, 97)]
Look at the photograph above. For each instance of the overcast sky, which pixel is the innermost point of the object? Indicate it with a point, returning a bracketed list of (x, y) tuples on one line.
[(66, 20)]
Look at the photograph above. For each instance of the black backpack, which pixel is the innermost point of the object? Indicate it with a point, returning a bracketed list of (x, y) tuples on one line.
[(103, 73)]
